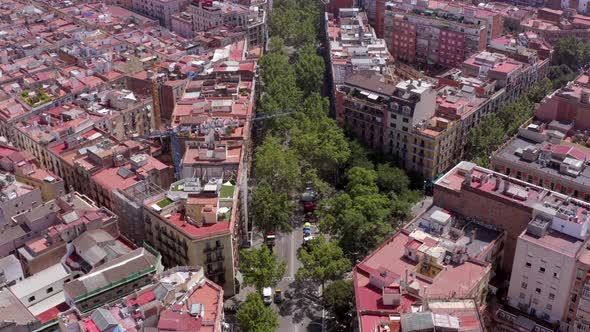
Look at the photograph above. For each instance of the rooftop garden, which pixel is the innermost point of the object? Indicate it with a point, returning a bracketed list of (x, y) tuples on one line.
[(226, 191), (164, 202), (35, 98), (178, 187)]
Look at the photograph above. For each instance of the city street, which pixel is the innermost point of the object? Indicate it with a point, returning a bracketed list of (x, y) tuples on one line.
[(299, 310)]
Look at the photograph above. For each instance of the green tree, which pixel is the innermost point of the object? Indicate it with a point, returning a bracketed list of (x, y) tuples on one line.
[(571, 52), (359, 218), (485, 138), (276, 45), (359, 155), (317, 139), (515, 114), (279, 87), (261, 268), (311, 176), (277, 166), (539, 90), (560, 75), (339, 299), (310, 70), (254, 316), (322, 261), (270, 210), (392, 179), (361, 182)]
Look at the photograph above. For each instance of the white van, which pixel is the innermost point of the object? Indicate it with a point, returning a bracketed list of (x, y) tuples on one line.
[(267, 295)]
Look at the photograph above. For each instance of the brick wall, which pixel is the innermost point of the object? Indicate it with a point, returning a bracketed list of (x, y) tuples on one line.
[(511, 217)]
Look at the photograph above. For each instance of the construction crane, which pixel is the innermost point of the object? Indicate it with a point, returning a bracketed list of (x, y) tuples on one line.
[(174, 133)]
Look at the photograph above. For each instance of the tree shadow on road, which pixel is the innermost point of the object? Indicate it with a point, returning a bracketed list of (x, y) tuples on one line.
[(301, 303)]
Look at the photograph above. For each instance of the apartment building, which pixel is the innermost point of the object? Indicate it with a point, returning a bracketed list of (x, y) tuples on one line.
[(201, 308), (354, 45), (399, 120), (541, 283), (577, 314), (437, 256), (194, 224), (514, 76), (113, 280), (162, 10), (16, 198), (550, 150), (493, 198), (553, 25), (207, 14), (445, 35), (40, 236)]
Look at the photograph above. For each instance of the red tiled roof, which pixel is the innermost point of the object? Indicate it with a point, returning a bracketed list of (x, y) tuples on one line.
[(52, 313), (175, 321), (414, 244)]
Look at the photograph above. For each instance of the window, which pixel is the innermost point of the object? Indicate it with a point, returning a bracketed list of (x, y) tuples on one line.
[(538, 290), (405, 129), (555, 275), (535, 301), (542, 269), (49, 290), (551, 296), (31, 299), (405, 120), (524, 285), (527, 264), (522, 295), (549, 306), (580, 274)]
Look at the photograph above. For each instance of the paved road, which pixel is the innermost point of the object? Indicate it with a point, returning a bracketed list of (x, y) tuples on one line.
[(298, 311)]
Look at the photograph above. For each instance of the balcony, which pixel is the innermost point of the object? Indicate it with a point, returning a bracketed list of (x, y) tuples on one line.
[(214, 272), (212, 249), (213, 259)]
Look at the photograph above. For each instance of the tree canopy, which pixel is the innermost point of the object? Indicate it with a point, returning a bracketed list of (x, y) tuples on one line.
[(270, 210), (495, 128), (322, 261), (254, 316), (392, 179), (339, 299), (277, 165), (261, 268), (316, 138), (310, 70), (297, 22)]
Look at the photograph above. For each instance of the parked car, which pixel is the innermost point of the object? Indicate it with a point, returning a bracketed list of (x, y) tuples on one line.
[(278, 295), (267, 295), (309, 207)]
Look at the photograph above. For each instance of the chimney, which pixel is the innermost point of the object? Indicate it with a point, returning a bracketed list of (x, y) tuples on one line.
[(473, 234), (506, 186), (498, 183), (468, 176), (406, 281)]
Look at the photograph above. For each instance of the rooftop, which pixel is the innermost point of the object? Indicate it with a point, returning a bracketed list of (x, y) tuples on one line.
[(455, 279), (12, 310), (136, 262), (547, 148)]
